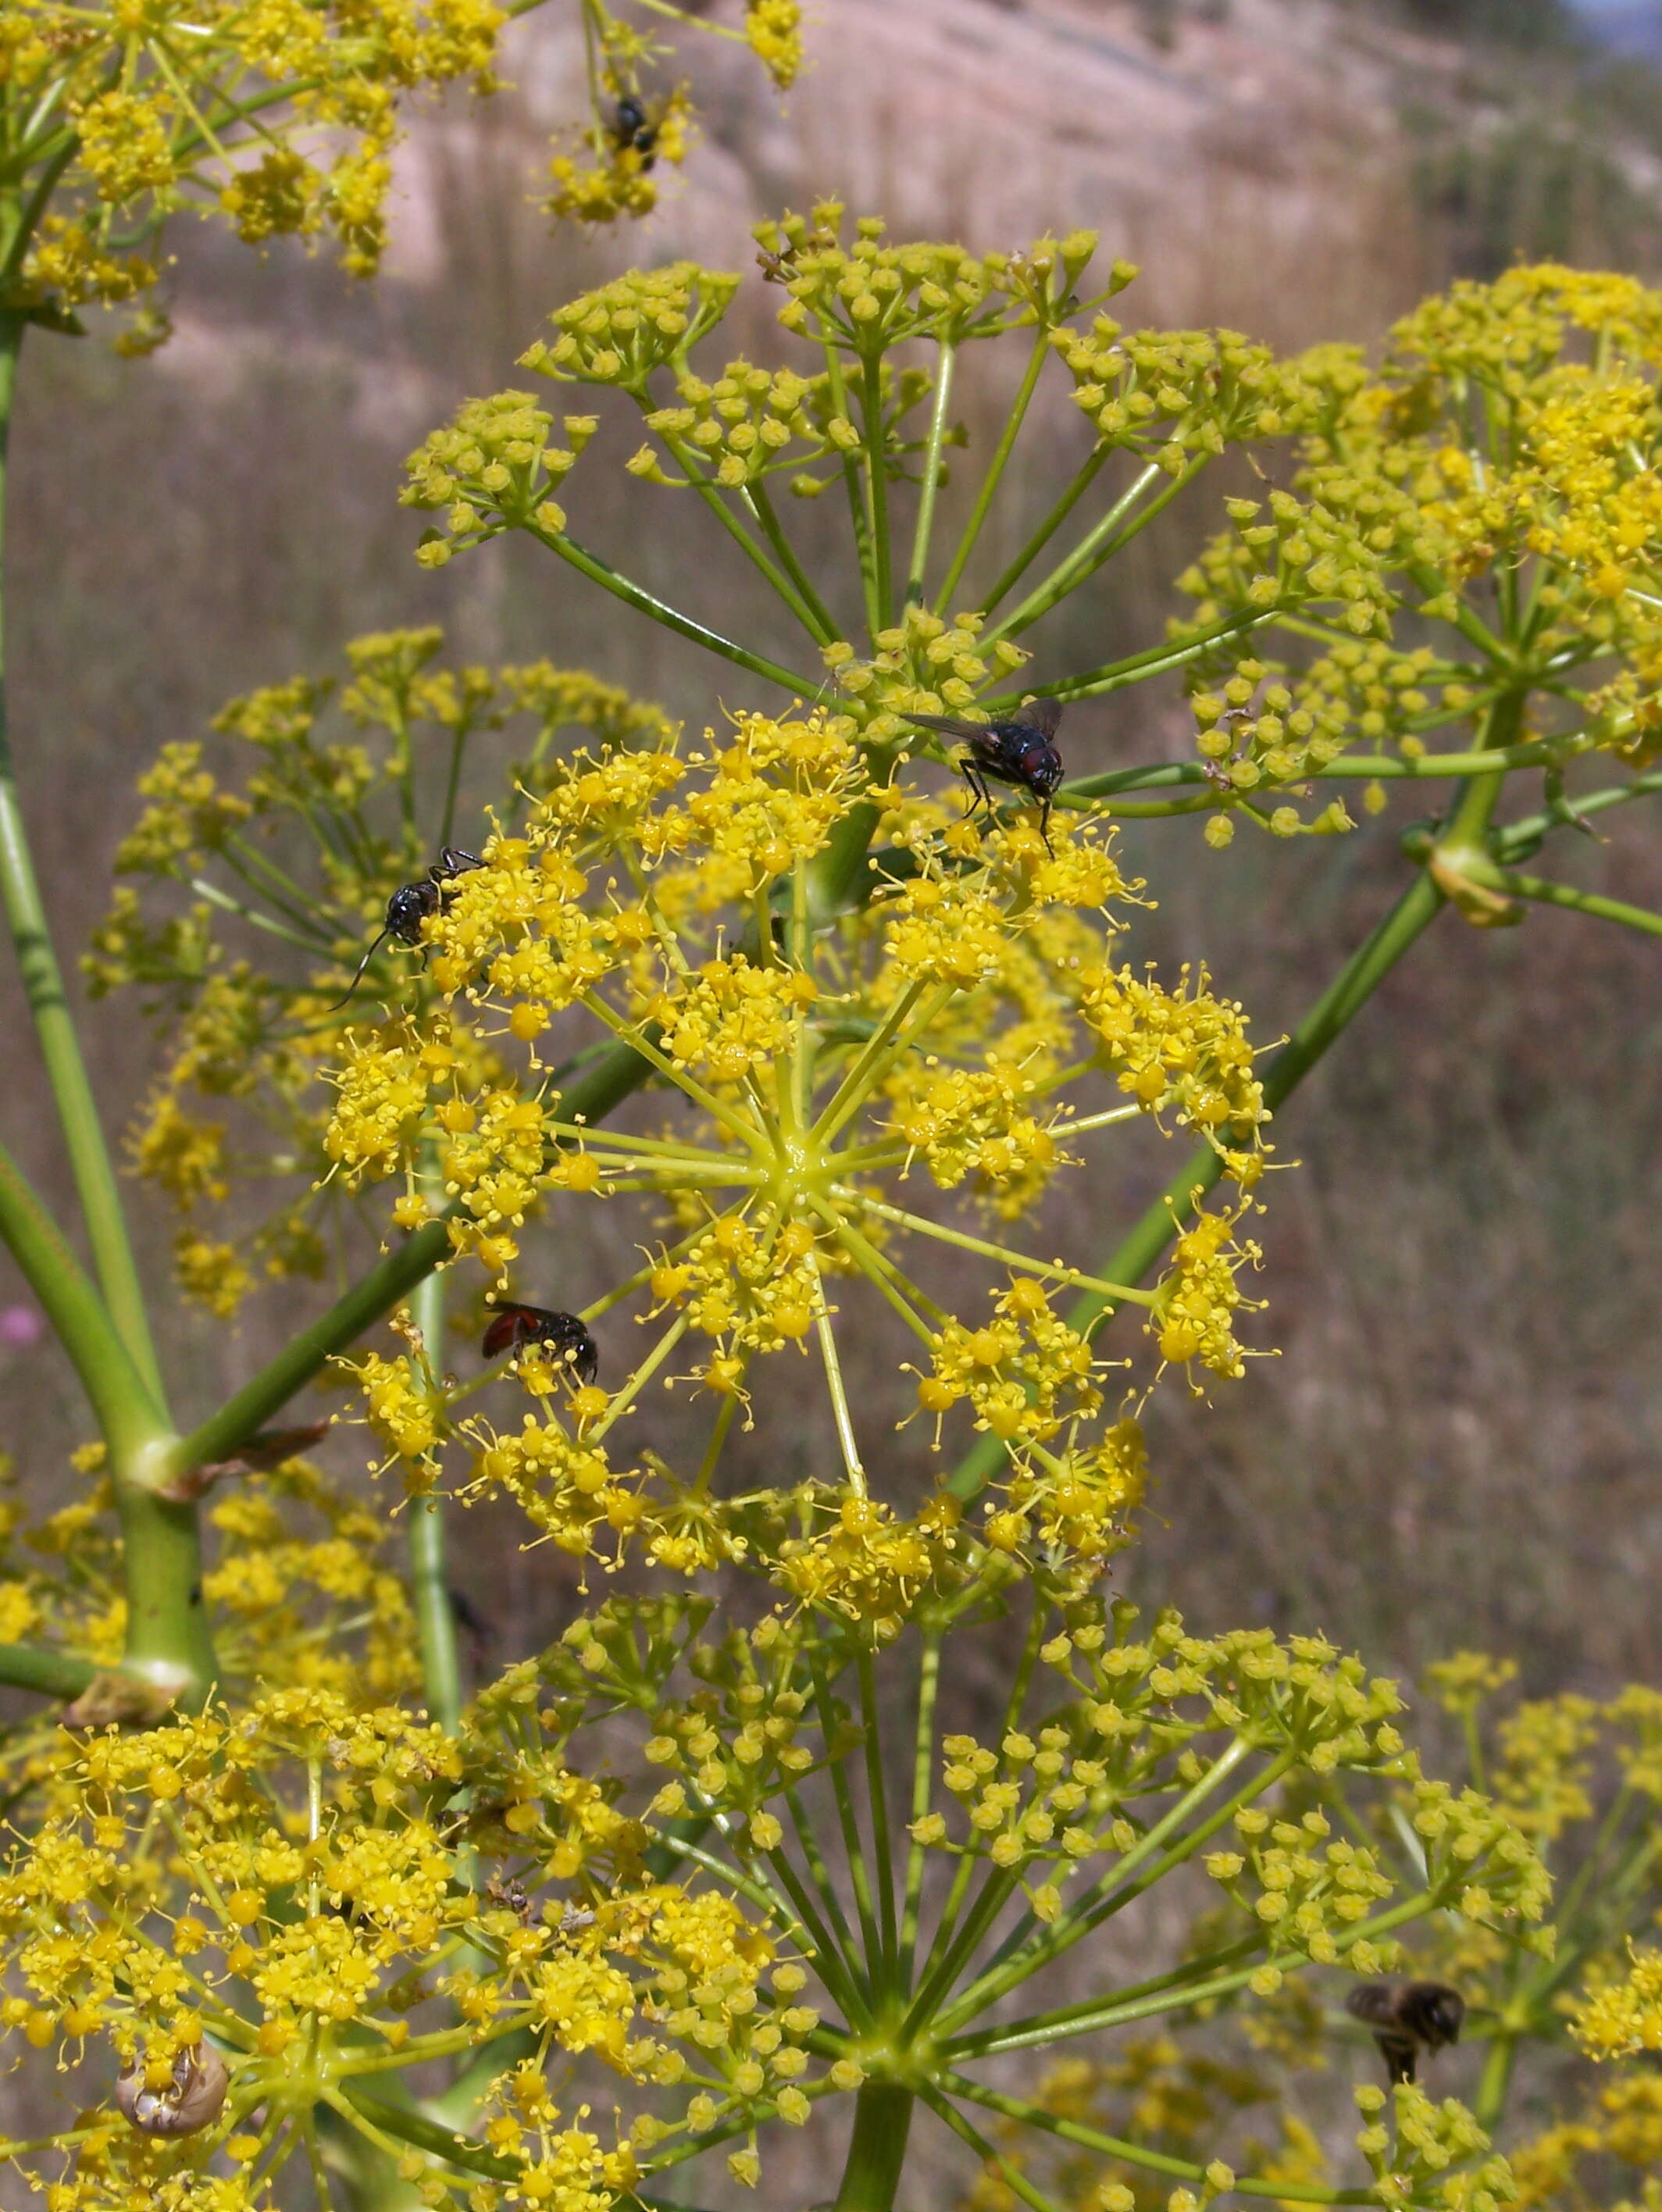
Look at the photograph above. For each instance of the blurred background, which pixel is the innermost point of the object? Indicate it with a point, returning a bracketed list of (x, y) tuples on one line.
[(1458, 1442)]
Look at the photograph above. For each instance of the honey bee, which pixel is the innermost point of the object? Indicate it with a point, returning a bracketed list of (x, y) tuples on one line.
[(1407, 2017)]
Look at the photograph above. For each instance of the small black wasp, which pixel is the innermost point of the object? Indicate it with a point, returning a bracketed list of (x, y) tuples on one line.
[(1406, 2017), (1020, 751), (633, 127), (409, 907), (562, 1333)]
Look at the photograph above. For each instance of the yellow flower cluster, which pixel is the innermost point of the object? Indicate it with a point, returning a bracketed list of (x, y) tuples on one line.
[(921, 664), (250, 1047), (1623, 2016), (1182, 1054), (868, 1564), (773, 29), (269, 1901), (1171, 395), (1623, 2121), (227, 106), (1023, 1373), (610, 174), (1199, 1297), (1507, 435), (870, 297), (1412, 2162)]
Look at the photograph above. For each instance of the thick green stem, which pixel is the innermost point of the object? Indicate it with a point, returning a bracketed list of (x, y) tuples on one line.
[(129, 1420), (1496, 2082), (168, 1642), (608, 1079), (54, 1674), (876, 2150), (1336, 1007), (429, 1575), (48, 1004)]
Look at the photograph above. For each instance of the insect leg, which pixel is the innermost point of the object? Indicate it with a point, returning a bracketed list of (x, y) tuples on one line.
[(452, 861)]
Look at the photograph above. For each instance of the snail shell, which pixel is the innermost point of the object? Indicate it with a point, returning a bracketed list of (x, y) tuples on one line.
[(193, 2100)]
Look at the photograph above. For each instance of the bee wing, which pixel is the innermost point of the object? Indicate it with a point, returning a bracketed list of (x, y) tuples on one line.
[(1374, 2002), (950, 726), (1040, 715), (504, 1329)]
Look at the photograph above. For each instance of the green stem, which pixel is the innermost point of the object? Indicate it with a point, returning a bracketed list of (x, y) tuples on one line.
[(1013, 422), (1098, 546), (775, 578), (1180, 2169), (632, 595), (1339, 1005), (1038, 2029), (129, 1418), (1537, 752), (1492, 2090), (876, 1791), (763, 507), (48, 1004), (1521, 837), (1136, 667), (1548, 893), (608, 1079), (926, 524), (923, 1757), (1083, 477), (877, 2149), (168, 1643), (877, 476), (429, 1573), (54, 1674)]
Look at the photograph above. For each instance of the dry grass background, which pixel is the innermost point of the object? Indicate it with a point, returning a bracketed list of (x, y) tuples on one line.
[(1458, 1442)]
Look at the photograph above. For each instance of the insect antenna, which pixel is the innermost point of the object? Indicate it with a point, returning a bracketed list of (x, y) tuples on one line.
[(375, 943)]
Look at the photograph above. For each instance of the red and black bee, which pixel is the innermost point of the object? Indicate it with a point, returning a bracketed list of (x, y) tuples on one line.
[(410, 905), (562, 1333), (1021, 751), (633, 127), (1407, 2017)]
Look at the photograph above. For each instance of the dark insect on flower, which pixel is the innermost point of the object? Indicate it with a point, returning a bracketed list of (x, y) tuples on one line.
[(410, 905), (1407, 2017), (633, 127), (562, 1334), (1021, 752), (508, 1894)]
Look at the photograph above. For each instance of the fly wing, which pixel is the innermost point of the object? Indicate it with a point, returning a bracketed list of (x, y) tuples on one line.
[(950, 726), (1040, 715)]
